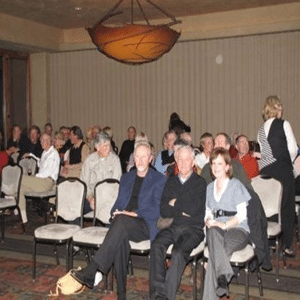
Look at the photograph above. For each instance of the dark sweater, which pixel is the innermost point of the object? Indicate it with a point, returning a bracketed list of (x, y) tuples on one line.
[(190, 199)]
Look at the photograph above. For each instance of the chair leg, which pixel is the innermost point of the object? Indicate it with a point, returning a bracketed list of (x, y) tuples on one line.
[(202, 278), (194, 272), (2, 226), (247, 281), (20, 217), (259, 281), (56, 254), (34, 260), (69, 255), (277, 258), (130, 267)]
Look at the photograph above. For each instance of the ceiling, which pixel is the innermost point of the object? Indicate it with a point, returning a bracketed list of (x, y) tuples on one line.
[(68, 14)]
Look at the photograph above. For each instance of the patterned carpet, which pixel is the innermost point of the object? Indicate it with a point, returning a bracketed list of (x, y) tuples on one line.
[(16, 283), (16, 274)]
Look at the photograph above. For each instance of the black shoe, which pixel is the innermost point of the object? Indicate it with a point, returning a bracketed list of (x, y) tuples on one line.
[(83, 277), (289, 253), (222, 288)]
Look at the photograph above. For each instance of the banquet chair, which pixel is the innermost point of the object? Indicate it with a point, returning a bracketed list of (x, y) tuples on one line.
[(194, 258), (270, 193), (10, 188), (106, 193), (28, 165), (240, 258), (69, 207)]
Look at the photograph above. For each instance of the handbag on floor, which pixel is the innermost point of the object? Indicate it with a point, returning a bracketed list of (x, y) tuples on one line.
[(67, 285)]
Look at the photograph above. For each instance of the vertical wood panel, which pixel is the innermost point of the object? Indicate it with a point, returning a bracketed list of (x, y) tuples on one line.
[(87, 88)]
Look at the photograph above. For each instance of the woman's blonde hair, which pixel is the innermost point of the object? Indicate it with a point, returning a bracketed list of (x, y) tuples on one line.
[(271, 108)]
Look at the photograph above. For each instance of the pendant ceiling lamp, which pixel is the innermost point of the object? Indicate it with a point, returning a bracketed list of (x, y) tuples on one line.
[(134, 43)]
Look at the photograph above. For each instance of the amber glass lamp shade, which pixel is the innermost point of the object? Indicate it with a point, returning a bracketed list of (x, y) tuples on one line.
[(134, 43)]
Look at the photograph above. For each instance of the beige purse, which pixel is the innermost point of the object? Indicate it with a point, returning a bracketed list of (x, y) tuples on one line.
[(67, 285)]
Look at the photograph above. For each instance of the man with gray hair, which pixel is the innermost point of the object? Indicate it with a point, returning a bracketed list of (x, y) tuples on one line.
[(133, 219), (183, 199), (100, 165)]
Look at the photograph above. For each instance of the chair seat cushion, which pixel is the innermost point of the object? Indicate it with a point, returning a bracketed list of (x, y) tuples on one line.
[(7, 202), (47, 194), (56, 231), (274, 229), (89, 215), (140, 246), (90, 235), (195, 251), (240, 256)]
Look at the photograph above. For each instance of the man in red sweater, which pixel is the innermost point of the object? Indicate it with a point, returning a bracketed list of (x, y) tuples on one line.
[(245, 158), (5, 157)]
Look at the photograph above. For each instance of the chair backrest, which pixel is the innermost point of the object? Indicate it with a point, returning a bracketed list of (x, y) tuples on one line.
[(29, 165), (69, 200), (106, 193), (269, 191), (11, 180)]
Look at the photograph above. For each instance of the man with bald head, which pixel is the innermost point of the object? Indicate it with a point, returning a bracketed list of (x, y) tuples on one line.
[(133, 219), (44, 180), (183, 199)]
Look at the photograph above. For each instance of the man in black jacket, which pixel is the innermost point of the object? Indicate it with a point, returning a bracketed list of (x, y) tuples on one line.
[(183, 199)]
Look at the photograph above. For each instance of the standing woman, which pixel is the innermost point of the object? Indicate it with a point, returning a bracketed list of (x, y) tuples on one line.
[(278, 149), (226, 222)]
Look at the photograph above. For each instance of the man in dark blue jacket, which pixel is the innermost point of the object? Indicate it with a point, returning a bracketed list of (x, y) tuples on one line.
[(133, 219)]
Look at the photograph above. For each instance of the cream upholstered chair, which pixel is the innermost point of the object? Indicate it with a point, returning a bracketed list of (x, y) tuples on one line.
[(69, 207), (269, 191), (106, 193), (28, 165), (10, 188), (241, 258), (194, 257)]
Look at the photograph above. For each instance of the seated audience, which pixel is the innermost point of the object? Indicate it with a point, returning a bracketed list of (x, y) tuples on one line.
[(34, 146), (140, 137), (245, 158), (59, 142), (89, 139), (206, 147), (177, 125), (257, 220), (48, 128), (226, 221), (5, 157), (133, 219), (232, 149), (127, 148), (166, 156), (66, 133), (183, 199), (76, 155), (109, 131), (19, 141), (1, 140), (100, 165), (46, 177)]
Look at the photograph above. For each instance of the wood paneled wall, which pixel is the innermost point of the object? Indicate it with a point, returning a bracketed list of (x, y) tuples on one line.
[(214, 85)]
